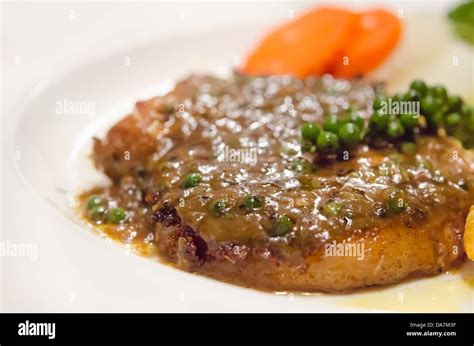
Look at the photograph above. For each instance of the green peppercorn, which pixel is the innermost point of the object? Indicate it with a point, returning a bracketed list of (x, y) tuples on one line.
[(397, 97), (349, 134), (455, 103), (308, 146), (466, 110), (410, 121), (396, 203), (97, 213), (419, 87), (352, 117), (332, 209), (406, 97), (396, 158), (430, 104), (252, 203), (437, 119), (379, 120), (191, 180), (327, 142), (288, 151), (407, 147), (439, 92), (379, 101), (115, 215), (453, 119), (301, 166), (395, 129), (470, 120), (219, 207), (332, 124), (414, 96), (94, 201), (310, 132), (283, 226)]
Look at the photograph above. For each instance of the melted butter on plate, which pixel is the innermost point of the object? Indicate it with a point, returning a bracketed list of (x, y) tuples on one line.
[(449, 292)]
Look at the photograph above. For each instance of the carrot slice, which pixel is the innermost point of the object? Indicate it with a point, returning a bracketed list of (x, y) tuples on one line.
[(304, 46), (377, 34), (469, 234)]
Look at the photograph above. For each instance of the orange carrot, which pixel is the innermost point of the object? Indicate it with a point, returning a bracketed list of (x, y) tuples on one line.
[(377, 35), (327, 40), (305, 45)]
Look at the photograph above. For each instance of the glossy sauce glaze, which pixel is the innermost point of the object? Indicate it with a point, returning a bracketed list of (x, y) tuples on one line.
[(242, 137)]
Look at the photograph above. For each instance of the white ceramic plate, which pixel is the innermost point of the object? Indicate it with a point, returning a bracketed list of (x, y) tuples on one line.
[(94, 274)]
